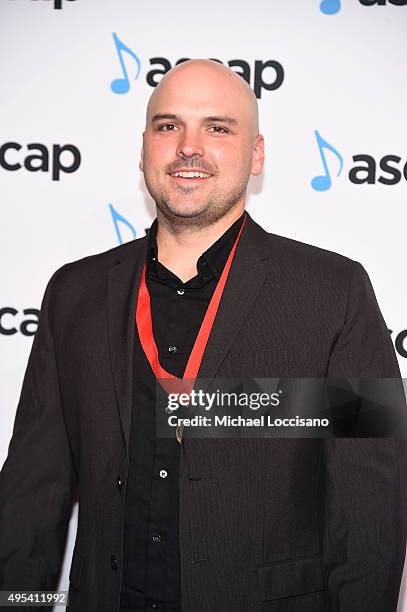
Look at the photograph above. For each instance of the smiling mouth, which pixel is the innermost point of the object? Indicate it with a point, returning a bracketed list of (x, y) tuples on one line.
[(191, 175)]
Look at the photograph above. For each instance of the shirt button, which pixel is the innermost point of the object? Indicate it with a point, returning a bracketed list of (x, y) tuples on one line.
[(156, 539), (114, 562), (154, 605), (172, 349), (163, 473), (180, 291), (119, 483)]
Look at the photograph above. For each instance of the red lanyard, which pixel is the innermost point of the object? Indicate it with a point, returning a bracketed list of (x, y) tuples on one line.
[(145, 330)]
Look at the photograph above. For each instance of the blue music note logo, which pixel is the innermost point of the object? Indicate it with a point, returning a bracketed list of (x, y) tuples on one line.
[(324, 181), (118, 218), (122, 84), (330, 7)]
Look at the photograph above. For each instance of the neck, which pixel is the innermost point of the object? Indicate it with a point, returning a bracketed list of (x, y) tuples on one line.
[(179, 249)]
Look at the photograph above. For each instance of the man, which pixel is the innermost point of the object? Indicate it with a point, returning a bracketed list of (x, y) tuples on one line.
[(191, 523)]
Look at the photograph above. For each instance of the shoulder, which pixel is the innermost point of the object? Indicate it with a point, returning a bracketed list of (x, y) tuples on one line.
[(82, 284), (290, 253), (311, 274), (307, 257), (308, 278), (294, 259), (93, 268)]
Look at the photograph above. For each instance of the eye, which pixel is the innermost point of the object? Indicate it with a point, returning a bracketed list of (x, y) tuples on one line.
[(167, 127), (219, 129)]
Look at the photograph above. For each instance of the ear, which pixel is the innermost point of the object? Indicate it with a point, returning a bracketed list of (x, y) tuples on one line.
[(141, 162), (258, 155)]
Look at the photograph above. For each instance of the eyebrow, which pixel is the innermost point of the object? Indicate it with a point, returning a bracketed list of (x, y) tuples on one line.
[(221, 119), (160, 116), (212, 119)]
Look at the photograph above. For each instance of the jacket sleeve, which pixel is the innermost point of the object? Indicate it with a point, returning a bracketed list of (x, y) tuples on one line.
[(365, 510), (38, 478)]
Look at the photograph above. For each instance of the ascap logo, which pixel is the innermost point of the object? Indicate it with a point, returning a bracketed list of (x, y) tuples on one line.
[(388, 170), (264, 75), (367, 170), (12, 321), (383, 2), (400, 343), (332, 7), (120, 222), (59, 159)]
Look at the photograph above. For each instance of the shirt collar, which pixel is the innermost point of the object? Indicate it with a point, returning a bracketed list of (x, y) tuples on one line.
[(212, 260)]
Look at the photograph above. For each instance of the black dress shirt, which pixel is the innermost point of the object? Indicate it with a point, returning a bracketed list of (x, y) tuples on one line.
[(151, 573)]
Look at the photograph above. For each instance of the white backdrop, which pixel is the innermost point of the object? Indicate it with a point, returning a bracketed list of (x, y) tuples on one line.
[(334, 88)]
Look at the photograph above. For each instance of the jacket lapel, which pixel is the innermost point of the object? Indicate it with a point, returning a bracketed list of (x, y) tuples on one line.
[(123, 283), (249, 270)]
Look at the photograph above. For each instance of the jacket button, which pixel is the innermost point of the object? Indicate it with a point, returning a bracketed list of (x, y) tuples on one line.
[(119, 483), (114, 562)]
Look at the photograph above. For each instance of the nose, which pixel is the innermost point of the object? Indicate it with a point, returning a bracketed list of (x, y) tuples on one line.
[(190, 144)]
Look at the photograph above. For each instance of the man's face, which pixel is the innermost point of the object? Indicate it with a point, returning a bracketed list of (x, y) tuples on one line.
[(200, 146)]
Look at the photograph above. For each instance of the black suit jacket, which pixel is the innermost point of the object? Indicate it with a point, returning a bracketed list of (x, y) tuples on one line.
[(282, 525)]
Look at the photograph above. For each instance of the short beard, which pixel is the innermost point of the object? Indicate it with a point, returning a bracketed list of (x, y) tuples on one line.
[(209, 214)]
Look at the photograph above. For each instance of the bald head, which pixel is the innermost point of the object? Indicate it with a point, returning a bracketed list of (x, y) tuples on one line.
[(201, 144), (206, 80)]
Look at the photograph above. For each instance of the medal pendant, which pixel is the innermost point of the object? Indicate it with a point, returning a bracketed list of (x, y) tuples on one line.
[(178, 433)]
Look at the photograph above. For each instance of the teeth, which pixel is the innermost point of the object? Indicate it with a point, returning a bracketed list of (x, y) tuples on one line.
[(191, 174)]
